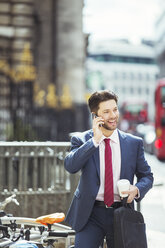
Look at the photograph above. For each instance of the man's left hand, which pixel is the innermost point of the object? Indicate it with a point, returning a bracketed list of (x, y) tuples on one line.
[(132, 193)]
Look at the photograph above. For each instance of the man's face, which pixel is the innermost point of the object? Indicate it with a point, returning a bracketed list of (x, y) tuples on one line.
[(108, 110)]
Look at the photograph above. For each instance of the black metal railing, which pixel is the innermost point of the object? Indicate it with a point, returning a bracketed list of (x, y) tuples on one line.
[(33, 167)]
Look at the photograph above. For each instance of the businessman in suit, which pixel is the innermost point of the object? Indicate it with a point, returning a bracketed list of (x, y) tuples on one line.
[(103, 155)]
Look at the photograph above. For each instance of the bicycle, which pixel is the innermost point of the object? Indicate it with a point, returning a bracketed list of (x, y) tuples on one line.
[(14, 229), (42, 232)]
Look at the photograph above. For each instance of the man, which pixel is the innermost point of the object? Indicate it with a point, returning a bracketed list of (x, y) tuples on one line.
[(104, 155)]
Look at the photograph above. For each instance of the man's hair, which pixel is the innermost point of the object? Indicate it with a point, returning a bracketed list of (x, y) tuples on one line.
[(100, 96)]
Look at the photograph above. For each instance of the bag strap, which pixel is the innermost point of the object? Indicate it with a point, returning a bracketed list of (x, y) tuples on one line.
[(124, 201), (125, 204)]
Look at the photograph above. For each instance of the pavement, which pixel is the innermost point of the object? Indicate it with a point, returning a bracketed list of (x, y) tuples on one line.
[(154, 216), (155, 239), (153, 206)]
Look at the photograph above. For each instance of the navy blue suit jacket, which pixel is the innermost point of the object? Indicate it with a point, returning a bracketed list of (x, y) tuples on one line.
[(84, 156)]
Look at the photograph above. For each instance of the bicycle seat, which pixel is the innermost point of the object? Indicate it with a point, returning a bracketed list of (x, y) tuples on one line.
[(50, 219)]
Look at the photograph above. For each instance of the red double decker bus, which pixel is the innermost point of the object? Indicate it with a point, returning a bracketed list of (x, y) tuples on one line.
[(135, 112), (132, 113), (160, 119)]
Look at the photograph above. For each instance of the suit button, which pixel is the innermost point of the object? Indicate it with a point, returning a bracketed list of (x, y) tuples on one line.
[(98, 183)]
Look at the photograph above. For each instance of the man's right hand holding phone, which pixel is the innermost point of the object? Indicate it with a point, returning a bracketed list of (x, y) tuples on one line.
[(97, 128)]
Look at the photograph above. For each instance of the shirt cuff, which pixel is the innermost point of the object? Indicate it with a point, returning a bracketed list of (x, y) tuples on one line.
[(94, 142), (138, 194)]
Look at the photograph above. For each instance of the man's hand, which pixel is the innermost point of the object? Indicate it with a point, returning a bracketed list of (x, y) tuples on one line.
[(97, 122), (132, 193)]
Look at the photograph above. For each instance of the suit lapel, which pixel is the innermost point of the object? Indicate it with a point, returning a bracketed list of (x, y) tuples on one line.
[(124, 152), (96, 157)]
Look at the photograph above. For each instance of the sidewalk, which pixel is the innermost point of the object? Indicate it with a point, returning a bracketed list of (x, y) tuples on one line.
[(155, 239), (153, 205)]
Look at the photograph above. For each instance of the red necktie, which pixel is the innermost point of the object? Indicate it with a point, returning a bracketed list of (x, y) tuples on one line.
[(108, 187)]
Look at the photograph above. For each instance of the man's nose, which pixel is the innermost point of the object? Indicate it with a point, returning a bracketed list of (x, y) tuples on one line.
[(112, 114)]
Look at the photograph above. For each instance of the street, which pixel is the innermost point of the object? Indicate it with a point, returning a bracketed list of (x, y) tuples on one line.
[(153, 205)]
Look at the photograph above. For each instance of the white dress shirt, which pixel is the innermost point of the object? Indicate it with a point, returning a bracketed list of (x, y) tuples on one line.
[(116, 164)]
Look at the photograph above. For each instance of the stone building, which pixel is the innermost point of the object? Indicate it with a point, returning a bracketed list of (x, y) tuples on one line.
[(52, 30)]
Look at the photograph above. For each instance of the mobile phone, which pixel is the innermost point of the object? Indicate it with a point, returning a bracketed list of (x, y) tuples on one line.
[(95, 116)]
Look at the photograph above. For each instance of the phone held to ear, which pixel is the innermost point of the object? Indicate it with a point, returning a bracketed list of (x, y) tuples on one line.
[(95, 116)]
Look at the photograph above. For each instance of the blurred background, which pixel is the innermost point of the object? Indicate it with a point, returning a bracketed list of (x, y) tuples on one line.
[(53, 55)]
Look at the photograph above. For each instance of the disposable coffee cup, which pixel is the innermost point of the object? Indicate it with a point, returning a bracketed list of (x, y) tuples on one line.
[(123, 185)]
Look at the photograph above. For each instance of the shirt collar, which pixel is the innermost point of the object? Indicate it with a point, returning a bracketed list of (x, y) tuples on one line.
[(114, 137)]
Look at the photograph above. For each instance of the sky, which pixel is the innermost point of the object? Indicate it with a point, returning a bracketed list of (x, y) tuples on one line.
[(115, 19)]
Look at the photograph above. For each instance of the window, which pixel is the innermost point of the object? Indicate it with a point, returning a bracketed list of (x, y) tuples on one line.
[(139, 76), (139, 91), (147, 91), (147, 76), (131, 90), (122, 59)]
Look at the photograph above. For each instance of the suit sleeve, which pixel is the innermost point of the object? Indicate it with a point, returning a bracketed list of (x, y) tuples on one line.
[(143, 173), (79, 154)]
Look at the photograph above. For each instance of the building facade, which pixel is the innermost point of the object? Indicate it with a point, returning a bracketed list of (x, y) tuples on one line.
[(52, 30), (128, 70)]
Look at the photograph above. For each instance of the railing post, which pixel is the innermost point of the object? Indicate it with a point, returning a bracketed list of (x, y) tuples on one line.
[(138, 206)]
